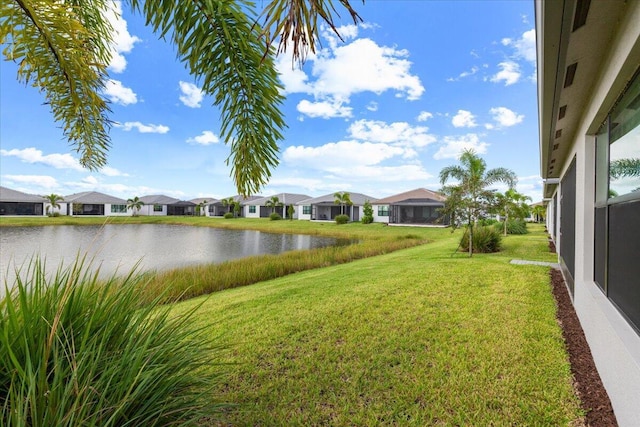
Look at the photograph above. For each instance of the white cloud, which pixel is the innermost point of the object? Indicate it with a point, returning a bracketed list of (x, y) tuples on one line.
[(397, 133), (372, 106), (464, 74), (109, 171), (464, 119), (337, 155), (142, 128), (509, 73), (525, 46), (399, 173), (33, 155), (324, 109), (339, 71), (191, 94), (424, 116), (205, 138), (118, 93), (505, 117), (42, 181), (122, 41), (454, 145)]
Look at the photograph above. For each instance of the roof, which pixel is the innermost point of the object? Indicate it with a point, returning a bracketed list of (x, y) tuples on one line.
[(9, 195), (158, 199), (285, 198), (329, 199), (573, 44), (238, 198), (417, 196), (205, 200), (93, 197)]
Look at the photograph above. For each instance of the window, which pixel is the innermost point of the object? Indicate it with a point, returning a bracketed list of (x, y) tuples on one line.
[(157, 208), (118, 208), (252, 209), (383, 210), (306, 210)]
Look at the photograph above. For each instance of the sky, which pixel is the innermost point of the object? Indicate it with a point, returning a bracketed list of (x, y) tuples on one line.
[(380, 112)]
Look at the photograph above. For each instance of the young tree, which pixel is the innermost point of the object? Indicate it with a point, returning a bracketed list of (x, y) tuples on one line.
[(135, 204), (64, 47), (290, 211), (228, 203), (511, 205), (472, 193), (343, 199), (53, 200), (273, 203), (540, 212), (367, 213)]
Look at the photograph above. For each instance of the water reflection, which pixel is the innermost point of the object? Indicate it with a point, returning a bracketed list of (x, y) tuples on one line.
[(117, 248)]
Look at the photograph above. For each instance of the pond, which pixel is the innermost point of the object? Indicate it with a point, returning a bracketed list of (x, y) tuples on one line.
[(118, 248)]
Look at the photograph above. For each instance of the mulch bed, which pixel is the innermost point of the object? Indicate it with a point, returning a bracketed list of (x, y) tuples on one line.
[(591, 392)]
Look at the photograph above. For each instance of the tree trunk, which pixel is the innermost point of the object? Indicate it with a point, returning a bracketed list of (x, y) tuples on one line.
[(470, 239)]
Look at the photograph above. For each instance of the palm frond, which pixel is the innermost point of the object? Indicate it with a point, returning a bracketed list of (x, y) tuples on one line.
[(61, 48)]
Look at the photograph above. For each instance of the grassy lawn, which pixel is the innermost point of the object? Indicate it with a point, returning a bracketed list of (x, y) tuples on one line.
[(420, 336)]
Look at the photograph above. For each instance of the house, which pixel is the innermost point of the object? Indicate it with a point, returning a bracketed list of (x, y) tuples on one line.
[(589, 111), (95, 203), (221, 207), (325, 208), (258, 208), (13, 202), (203, 204), (164, 205), (415, 207)]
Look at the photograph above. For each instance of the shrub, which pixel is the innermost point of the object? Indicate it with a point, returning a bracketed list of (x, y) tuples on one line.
[(275, 216), (228, 215), (488, 221), (75, 351), (367, 210), (342, 219), (514, 226), (485, 240)]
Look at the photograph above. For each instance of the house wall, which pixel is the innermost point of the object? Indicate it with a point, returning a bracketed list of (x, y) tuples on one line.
[(62, 210), (614, 343), (300, 214), (380, 218), (148, 210), (248, 214)]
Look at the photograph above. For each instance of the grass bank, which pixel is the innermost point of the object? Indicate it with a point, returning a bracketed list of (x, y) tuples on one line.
[(192, 281), (421, 336)]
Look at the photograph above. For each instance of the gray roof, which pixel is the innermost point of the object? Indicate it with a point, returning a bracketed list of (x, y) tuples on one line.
[(358, 199), (94, 197), (158, 199), (417, 196), (206, 200), (238, 198), (285, 198), (9, 195)]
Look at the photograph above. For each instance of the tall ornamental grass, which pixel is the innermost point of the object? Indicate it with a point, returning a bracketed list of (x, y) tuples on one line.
[(78, 351)]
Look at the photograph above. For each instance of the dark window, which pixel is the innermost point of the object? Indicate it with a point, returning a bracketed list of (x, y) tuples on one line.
[(252, 209), (306, 210), (568, 220), (383, 210)]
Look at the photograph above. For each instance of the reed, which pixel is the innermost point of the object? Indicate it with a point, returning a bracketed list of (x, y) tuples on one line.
[(189, 282), (75, 350)]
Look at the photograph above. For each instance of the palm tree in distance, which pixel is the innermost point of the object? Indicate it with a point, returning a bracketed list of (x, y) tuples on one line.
[(64, 50), (53, 200), (273, 203), (135, 204), (343, 199), (472, 194), (512, 204), (228, 203)]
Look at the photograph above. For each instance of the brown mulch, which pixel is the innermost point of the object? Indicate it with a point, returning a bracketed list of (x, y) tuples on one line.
[(591, 392)]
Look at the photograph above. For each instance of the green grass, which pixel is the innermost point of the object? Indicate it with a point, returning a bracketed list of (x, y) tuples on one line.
[(420, 336)]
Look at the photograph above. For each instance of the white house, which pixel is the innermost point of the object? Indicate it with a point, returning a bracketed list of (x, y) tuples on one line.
[(325, 208), (258, 208), (414, 207), (94, 203), (589, 111)]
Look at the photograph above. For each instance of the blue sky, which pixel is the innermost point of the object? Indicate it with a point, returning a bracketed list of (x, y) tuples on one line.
[(380, 113)]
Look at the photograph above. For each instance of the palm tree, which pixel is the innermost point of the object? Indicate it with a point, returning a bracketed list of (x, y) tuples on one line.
[(228, 203), (63, 48), (343, 199), (540, 212), (273, 203), (512, 204), (135, 204), (200, 208), (53, 200), (472, 188)]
